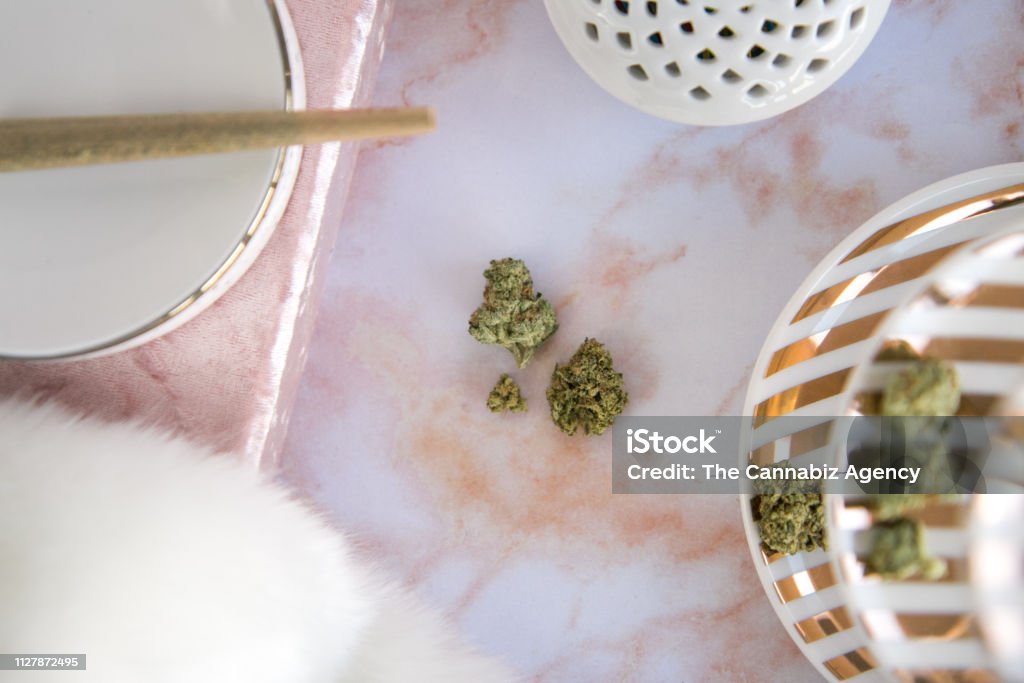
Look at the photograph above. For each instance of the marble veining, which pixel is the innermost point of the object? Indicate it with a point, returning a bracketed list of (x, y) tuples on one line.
[(675, 246)]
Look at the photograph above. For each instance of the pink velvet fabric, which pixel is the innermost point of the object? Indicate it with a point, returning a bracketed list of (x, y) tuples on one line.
[(227, 378)]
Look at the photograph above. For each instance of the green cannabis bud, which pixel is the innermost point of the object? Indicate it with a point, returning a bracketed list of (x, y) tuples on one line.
[(898, 552), (586, 391), (895, 505), (512, 315), (927, 392), (926, 388), (505, 396), (790, 516)]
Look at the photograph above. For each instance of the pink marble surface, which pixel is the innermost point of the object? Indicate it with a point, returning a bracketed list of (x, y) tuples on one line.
[(228, 378), (676, 246)]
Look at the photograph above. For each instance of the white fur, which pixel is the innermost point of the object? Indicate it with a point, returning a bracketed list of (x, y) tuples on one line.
[(163, 562)]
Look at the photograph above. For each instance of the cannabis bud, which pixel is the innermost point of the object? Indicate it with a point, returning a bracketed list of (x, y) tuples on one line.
[(897, 349), (511, 315), (926, 388), (927, 392), (505, 396), (895, 505), (889, 506), (790, 516), (898, 552), (587, 391)]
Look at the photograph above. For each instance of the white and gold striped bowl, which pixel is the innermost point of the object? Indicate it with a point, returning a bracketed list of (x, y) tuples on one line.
[(914, 272)]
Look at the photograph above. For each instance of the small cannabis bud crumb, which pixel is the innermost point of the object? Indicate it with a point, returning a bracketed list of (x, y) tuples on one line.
[(586, 391), (512, 315), (898, 552), (790, 516), (926, 388), (505, 396)]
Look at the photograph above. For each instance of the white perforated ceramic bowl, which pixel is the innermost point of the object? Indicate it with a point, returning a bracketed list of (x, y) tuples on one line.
[(716, 62)]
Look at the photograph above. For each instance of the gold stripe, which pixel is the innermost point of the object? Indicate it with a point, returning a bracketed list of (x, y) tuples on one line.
[(805, 582), (978, 404), (995, 296), (763, 456), (851, 664), (946, 676), (941, 515), (824, 624), (823, 342), (769, 556), (940, 218), (934, 626), (804, 441), (801, 395), (242, 244), (992, 296), (976, 349), (888, 275), (810, 439)]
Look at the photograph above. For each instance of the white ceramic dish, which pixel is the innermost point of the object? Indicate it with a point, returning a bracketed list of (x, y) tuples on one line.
[(827, 330), (101, 258)]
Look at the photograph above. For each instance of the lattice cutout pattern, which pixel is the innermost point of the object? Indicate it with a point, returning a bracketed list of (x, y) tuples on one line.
[(719, 61)]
